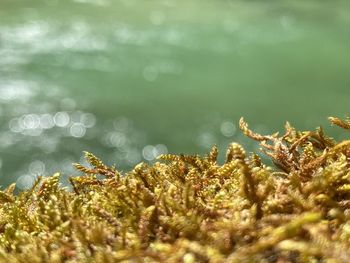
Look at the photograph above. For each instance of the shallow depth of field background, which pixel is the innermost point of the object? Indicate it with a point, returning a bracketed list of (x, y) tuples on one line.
[(131, 79)]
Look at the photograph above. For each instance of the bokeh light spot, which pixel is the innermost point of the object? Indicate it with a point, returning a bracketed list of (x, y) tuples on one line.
[(77, 130)]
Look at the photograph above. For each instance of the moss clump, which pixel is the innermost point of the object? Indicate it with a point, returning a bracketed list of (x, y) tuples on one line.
[(192, 209)]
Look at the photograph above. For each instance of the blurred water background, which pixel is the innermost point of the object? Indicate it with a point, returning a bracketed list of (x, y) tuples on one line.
[(131, 79)]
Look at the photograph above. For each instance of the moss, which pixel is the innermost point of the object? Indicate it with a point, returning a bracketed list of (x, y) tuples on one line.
[(191, 208)]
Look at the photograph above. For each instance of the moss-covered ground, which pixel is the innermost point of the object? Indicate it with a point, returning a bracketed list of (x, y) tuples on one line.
[(192, 208)]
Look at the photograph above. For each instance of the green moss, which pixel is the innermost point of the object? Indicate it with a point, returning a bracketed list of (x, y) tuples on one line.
[(192, 209)]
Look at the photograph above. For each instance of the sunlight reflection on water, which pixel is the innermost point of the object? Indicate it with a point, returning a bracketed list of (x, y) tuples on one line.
[(37, 132), (86, 75)]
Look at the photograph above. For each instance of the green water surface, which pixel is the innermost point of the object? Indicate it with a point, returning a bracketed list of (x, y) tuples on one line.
[(131, 79)]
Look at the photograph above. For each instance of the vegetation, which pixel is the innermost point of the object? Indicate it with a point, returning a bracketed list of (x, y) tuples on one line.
[(192, 209)]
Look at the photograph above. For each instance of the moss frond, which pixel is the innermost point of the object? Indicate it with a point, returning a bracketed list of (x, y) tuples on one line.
[(191, 208)]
